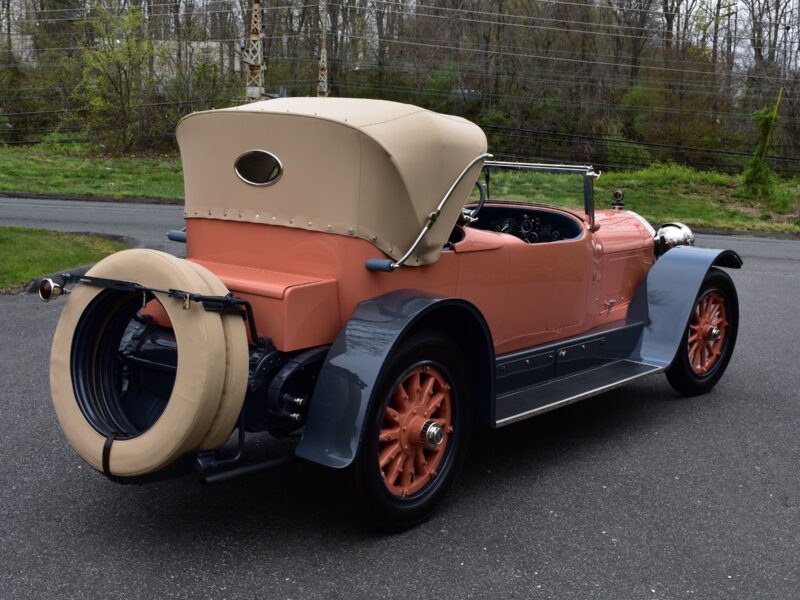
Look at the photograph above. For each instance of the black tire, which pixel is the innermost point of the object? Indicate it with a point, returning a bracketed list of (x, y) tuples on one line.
[(437, 355), (681, 374)]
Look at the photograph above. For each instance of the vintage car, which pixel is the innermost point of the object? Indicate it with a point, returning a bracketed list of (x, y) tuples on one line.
[(337, 288)]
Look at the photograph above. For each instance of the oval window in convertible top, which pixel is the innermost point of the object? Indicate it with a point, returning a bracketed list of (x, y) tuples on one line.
[(258, 167)]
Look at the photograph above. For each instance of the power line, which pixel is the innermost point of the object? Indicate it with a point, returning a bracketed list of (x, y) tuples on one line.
[(519, 131), (590, 5), (508, 50), (156, 42), (417, 5), (135, 106), (98, 17), (462, 17), (557, 102), (686, 87)]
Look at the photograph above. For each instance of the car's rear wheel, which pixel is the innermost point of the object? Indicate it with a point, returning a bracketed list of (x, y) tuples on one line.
[(416, 434), (709, 339)]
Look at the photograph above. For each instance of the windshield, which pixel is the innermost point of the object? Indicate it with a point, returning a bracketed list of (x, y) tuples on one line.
[(553, 189)]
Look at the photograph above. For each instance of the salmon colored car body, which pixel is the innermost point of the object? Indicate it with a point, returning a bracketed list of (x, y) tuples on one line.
[(336, 287)]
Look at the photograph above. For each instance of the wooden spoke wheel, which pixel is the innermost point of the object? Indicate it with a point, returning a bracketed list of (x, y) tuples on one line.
[(707, 331), (709, 337), (416, 430), (416, 433)]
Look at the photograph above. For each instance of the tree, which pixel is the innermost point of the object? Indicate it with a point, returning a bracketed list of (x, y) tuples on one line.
[(118, 87)]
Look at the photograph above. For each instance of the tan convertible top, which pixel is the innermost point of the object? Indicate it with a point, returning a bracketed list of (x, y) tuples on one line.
[(367, 168)]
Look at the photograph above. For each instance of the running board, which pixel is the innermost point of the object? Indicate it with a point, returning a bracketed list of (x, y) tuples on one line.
[(521, 404)]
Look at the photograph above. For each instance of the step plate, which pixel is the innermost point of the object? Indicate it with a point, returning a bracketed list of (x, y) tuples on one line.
[(521, 404)]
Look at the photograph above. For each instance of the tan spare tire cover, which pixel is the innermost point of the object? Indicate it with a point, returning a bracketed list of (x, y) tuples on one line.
[(199, 379), (237, 357)]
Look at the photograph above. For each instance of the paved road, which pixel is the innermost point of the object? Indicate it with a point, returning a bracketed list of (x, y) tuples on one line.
[(634, 494), (146, 223)]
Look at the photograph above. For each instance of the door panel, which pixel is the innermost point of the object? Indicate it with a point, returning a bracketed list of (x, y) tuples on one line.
[(571, 282)]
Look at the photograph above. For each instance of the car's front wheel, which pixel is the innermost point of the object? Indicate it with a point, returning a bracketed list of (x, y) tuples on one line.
[(416, 434), (709, 339)]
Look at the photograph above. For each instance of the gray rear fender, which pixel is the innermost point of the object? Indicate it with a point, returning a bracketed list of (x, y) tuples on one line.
[(665, 299), (353, 367)]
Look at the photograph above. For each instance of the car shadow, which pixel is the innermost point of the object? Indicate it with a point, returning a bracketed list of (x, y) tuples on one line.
[(312, 502)]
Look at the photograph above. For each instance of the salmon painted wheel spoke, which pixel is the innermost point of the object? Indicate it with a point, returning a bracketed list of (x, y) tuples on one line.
[(420, 462), (401, 399), (388, 435), (394, 469), (389, 453), (420, 400), (707, 331), (433, 404), (408, 471), (391, 415)]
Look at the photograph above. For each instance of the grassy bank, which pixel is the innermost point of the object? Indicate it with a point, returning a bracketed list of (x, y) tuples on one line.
[(666, 192), (28, 253), (73, 169), (661, 193)]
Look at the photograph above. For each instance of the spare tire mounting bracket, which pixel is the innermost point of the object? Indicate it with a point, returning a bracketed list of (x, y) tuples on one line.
[(220, 304)]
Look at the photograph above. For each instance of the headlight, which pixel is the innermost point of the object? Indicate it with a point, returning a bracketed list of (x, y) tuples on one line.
[(671, 235)]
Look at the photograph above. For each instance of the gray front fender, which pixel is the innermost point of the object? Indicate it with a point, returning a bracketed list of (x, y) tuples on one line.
[(665, 299), (352, 369)]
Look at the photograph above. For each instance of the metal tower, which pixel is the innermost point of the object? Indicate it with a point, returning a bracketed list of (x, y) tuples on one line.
[(253, 56), (322, 86)]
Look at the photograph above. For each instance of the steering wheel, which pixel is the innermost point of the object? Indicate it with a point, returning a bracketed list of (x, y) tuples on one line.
[(472, 216)]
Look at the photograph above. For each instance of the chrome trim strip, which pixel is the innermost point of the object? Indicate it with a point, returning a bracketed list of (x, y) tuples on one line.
[(576, 398), (548, 168)]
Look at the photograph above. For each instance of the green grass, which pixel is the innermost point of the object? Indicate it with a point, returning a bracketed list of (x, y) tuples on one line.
[(29, 253), (660, 193), (73, 169)]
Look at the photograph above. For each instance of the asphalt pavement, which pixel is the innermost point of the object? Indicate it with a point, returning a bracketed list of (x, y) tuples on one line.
[(633, 494), (143, 224)]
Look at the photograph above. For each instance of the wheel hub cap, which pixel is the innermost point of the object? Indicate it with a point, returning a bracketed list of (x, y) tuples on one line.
[(432, 435)]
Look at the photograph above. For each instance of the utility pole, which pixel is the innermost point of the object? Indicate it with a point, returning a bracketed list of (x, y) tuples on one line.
[(322, 86), (253, 56)]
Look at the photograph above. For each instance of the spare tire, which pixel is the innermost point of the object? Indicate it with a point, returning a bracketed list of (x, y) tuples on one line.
[(87, 381), (237, 357)]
